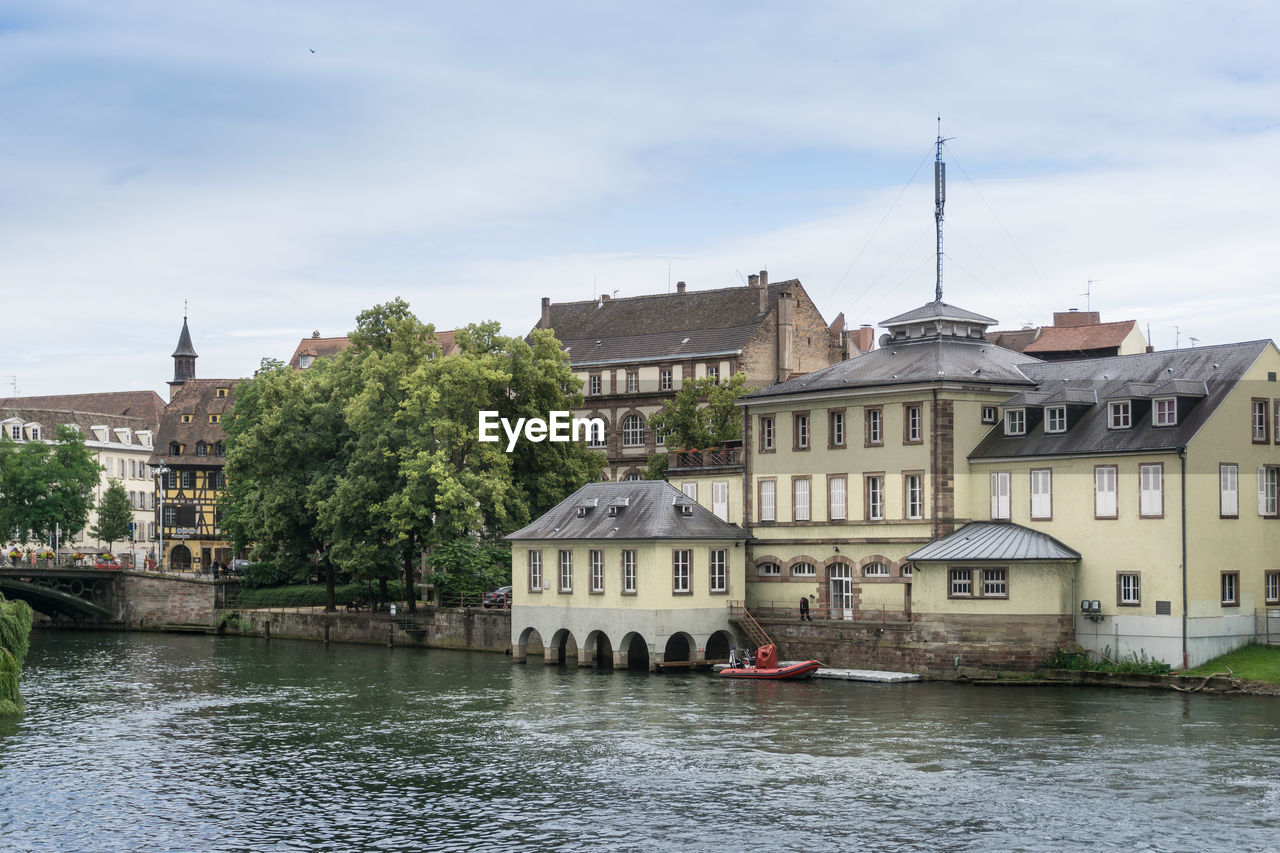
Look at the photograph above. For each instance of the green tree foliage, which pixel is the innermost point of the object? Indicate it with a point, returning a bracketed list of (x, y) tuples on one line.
[(46, 485), (114, 514), (15, 633), (702, 414), (467, 568), (285, 448)]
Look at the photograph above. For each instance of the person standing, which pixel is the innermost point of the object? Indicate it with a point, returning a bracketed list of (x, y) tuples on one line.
[(804, 609)]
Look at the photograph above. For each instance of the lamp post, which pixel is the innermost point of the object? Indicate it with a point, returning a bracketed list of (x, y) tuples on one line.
[(161, 472)]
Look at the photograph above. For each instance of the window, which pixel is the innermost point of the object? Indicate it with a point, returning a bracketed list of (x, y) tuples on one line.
[(989, 414), (800, 498), (1271, 587), (875, 497), (961, 583), (1000, 485), (875, 427), (1151, 483), (802, 432), (220, 392), (690, 490), (632, 431), (713, 372), (1267, 491), (1230, 589), (1229, 490), (1015, 422), (566, 571), (214, 419), (596, 560), (1119, 414), (803, 570), (1055, 419), (595, 435), (1105, 501), (633, 382), (905, 571), (628, 571), (875, 570), (186, 479), (1261, 426), (1042, 493), (175, 449), (835, 427), (913, 495), (124, 468), (912, 433), (766, 434), (659, 438), (219, 449), (680, 561), (219, 480), (719, 560), (304, 361), (836, 494), (995, 583), (720, 499), (186, 419), (1128, 589), (769, 569), (593, 384), (202, 449), (535, 571), (768, 500), (664, 379), (35, 433), (1165, 412)]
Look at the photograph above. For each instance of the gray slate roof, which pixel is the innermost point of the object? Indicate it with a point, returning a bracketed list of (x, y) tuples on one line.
[(1201, 376), (988, 541), (664, 326), (936, 311), (648, 509), (912, 362)]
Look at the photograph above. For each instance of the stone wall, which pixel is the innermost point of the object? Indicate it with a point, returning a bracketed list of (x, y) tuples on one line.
[(152, 599), (929, 644), (442, 628)]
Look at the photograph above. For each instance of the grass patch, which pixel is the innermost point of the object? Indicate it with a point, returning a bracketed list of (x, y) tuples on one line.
[(1252, 663), (313, 595)]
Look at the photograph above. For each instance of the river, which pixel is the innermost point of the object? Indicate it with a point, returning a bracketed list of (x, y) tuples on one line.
[(151, 742)]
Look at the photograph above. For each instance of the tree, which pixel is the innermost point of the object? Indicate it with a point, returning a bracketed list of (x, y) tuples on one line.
[(115, 513), (46, 486), (702, 414)]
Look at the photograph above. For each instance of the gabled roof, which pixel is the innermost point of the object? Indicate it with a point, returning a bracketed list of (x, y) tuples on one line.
[(647, 509), (912, 362), (986, 541), (1082, 339), (665, 325), (1204, 374), (198, 398), (51, 419), (145, 405)]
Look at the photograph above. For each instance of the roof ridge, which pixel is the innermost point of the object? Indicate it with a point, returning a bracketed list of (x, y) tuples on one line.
[(737, 288)]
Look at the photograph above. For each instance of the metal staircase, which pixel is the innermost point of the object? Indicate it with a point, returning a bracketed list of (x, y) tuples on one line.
[(741, 616)]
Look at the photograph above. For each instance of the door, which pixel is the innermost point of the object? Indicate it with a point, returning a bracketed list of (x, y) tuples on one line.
[(841, 591)]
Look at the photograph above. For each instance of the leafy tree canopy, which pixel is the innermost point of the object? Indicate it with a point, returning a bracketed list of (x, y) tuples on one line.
[(46, 485), (114, 515), (702, 414)]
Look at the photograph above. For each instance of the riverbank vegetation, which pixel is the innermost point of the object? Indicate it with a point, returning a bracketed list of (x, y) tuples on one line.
[(312, 595), (15, 634), (1078, 659), (1250, 663), (357, 466)]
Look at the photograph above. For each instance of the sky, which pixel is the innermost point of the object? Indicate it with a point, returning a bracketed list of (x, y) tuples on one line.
[(274, 169)]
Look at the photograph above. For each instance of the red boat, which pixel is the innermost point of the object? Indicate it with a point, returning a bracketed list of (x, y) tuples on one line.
[(766, 666)]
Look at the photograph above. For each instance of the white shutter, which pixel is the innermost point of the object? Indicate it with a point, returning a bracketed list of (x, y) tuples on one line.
[(690, 490), (1262, 490), (1000, 495), (767, 496), (720, 500), (1230, 488), (801, 509)]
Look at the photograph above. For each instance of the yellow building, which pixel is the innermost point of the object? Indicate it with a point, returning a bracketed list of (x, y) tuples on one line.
[(626, 575)]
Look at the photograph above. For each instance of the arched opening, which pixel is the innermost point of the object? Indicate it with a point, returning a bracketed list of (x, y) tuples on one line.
[(604, 652), (563, 646), (718, 645), (180, 557), (678, 648), (637, 652), (531, 640)]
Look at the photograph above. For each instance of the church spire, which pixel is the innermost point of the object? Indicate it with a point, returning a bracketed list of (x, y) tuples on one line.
[(184, 359)]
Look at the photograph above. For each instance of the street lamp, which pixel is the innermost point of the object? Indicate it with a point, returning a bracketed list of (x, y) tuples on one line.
[(161, 472)]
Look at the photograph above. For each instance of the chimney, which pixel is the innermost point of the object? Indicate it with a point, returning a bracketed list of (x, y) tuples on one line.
[(866, 338), (764, 278), (545, 322), (1075, 317), (604, 297), (764, 298), (786, 335), (679, 287), (753, 280)]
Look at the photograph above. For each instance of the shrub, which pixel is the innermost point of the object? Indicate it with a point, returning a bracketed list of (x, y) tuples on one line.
[(262, 575)]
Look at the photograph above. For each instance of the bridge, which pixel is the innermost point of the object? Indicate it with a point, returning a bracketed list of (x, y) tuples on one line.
[(76, 593)]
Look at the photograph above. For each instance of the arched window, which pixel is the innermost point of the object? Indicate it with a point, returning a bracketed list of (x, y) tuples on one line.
[(769, 569), (875, 570), (632, 431), (803, 570), (632, 477)]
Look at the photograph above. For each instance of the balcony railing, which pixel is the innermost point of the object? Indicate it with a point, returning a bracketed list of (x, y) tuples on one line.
[(714, 458)]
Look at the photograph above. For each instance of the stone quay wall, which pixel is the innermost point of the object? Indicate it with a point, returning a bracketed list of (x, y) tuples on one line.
[(150, 600), (431, 627), (939, 646)]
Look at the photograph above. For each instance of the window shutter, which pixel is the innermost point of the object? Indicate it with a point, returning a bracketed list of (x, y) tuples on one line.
[(1262, 490)]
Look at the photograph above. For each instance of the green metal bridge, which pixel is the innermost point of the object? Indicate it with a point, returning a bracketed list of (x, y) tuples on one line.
[(77, 593)]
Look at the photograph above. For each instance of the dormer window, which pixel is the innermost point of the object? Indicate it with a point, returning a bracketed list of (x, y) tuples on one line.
[(1055, 418), (33, 430), (220, 392), (144, 436), (15, 432), (304, 361), (1119, 414), (686, 510), (582, 512), (202, 449), (1015, 422), (213, 419), (124, 434), (175, 449), (186, 419), (613, 512), (1164, 412)]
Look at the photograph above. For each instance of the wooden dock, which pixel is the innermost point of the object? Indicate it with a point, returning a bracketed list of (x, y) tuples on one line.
[(686, 664)]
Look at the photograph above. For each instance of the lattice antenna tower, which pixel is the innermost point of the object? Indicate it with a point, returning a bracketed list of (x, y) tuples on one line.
[(939, 201)]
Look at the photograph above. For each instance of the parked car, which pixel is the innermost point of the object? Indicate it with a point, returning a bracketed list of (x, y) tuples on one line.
[(500, 597), (106, 564)]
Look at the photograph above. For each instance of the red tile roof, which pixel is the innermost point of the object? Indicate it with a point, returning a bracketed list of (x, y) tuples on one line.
[(1099, 336), (146, 405)]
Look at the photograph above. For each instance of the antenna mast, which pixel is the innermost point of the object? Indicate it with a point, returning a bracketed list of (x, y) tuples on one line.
[(939, 200)]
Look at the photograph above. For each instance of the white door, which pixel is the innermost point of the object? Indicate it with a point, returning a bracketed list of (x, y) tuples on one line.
[(841, 592)]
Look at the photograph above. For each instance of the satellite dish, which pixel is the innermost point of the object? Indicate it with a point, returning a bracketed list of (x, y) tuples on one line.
[(885, 339)]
